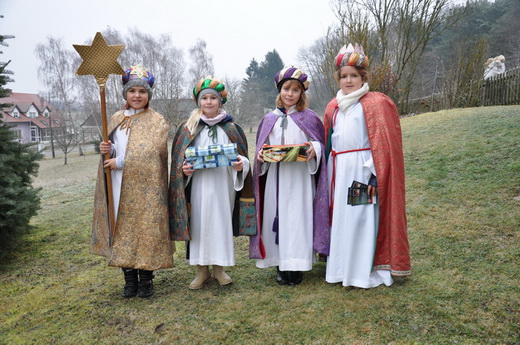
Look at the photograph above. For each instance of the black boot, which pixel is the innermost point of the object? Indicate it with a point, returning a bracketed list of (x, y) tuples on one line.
[(145, 283), (130, 288), (295, 278), (282, 277)]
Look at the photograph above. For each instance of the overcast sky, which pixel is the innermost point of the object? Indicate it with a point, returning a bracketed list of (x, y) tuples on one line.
[(235, 30)]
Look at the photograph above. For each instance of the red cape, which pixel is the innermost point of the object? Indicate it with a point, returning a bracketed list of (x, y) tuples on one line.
[(384, 132)]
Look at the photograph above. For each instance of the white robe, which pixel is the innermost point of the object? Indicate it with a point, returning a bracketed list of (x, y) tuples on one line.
[(118, 149), (296, 194), (354, 228), (212, 201)]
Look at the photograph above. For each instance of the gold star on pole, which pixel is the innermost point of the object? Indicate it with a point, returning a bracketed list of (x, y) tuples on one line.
[(99, 59)]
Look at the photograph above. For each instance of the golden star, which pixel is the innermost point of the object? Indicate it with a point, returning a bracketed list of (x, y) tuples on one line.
[(99, 59), (139, 71)]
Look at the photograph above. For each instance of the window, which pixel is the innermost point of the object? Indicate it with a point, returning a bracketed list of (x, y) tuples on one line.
[(46, 134), (17, 134), (16, 113), (32, 114), (46, 113), (35, 135)]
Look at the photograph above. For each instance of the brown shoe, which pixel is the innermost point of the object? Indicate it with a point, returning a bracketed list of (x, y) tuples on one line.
[(221, 276), (200, 280)]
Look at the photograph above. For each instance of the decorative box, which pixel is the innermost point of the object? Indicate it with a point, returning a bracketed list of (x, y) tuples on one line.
[(211, 156), (284, 153)]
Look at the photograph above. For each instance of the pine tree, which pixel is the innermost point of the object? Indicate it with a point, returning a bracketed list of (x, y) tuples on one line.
[(19, 201), (259, 91)]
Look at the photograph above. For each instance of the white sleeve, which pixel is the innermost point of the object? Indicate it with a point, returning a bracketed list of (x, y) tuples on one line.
[(369, 168), (120, 162), (239, 176)]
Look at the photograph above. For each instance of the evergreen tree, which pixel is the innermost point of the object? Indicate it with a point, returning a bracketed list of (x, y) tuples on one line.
[(268, 68), (19, 201), (258, 89)]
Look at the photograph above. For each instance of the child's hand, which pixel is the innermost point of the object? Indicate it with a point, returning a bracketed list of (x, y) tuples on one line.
[(260, 156), (238, 166), (310, 151), (110, 163), (187, 169), (104, 147), (372, 191)]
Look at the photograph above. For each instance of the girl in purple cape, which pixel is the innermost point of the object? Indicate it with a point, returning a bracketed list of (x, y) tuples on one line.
[(291, 197)]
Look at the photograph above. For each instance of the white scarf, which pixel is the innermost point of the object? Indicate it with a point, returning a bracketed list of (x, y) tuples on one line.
[(344, 101), (211, 121)]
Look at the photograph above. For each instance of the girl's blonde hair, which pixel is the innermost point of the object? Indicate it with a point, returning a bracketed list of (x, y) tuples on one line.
[(193, 120), (303, 102)]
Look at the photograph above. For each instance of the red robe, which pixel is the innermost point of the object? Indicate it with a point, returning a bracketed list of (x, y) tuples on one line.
[(384, 132)]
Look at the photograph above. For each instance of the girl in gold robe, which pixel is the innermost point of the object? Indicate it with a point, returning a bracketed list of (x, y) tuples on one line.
[(139, 157)]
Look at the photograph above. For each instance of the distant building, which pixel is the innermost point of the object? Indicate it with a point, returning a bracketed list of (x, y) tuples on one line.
[(32, 117)]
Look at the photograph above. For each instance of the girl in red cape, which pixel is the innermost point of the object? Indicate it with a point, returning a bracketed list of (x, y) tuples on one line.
[(369, 242)]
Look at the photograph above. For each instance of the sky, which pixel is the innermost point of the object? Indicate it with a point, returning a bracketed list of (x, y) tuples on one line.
[(235, 31)]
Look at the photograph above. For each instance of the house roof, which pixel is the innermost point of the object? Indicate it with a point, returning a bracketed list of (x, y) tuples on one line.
[(23, 102)]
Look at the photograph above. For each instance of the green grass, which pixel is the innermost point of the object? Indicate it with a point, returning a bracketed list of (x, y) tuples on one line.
[(463, 172)]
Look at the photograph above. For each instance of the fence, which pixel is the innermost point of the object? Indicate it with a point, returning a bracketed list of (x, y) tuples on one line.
[(502, 89)]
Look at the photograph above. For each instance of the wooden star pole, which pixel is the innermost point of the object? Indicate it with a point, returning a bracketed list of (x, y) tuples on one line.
[(100, 60)]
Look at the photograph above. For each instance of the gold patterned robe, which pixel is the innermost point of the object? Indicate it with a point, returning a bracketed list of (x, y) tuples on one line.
[(141, 238)]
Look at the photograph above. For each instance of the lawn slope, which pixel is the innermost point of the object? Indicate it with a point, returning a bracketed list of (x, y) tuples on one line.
[(463, 174)]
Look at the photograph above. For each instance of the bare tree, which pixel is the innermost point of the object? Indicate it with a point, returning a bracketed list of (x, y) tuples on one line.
[(318, 59), (417, 22), (201, 62), (165, 61), (318, 62), (234, 89), (56, 71), (400, 31), (170, 86), (462, 84)]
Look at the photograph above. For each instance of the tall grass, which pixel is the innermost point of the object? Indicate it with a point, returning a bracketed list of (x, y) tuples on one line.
[(463, 172)]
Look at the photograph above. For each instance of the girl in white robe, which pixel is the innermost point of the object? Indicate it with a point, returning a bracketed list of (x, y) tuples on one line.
[(287, 231), (212, 191), (354, 228)]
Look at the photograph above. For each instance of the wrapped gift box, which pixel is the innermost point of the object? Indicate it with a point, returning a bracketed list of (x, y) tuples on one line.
[(284, 153), (212, 156)]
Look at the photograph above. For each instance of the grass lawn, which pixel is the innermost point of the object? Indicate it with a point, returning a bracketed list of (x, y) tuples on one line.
[(463, 174)]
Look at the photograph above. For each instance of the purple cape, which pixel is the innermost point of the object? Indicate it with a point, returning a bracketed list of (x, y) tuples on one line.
[(312, 126)]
